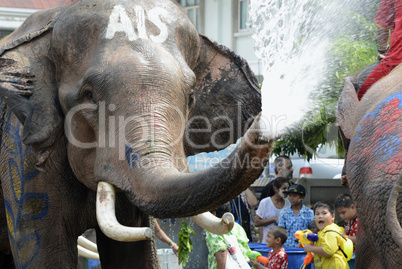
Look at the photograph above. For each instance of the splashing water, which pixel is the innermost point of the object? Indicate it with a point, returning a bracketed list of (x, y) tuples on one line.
[(292, 38)]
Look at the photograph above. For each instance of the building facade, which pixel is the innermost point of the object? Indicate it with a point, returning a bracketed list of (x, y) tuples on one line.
[(225, 21)]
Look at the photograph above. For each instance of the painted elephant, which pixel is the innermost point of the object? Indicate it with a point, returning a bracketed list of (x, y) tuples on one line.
[(101, 103), (372, 130)]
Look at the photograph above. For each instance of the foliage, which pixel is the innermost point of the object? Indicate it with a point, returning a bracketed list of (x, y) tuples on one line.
[(350, 52), (185, 244)]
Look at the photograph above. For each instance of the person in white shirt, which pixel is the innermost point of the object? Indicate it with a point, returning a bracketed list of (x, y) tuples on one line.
[(270, 208)]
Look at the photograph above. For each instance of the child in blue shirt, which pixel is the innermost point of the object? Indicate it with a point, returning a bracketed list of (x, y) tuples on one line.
[(297, 216)]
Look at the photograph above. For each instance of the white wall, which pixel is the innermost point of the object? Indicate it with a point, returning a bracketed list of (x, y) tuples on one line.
[(221, 26), (244, 45), (12, 18)]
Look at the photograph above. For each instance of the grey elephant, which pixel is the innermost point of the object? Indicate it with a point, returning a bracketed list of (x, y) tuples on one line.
[(101, 103), (372, 134)]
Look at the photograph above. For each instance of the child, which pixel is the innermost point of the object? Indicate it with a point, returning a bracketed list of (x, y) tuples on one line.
[(297, 216), (278, 259), (327, 253), (347, 211)]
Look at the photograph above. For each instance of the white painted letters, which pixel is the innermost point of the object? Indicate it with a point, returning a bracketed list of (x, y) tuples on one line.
[(154, 17), (119, 21), (140, 14)]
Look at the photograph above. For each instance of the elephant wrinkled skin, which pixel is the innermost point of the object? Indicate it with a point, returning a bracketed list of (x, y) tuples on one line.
[(373, 167), (118, 92)]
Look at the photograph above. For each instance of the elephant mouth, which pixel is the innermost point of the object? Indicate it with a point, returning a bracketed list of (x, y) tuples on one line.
[(108, 223)]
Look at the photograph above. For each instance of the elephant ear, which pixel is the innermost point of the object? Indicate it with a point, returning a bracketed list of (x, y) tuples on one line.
[(24, 54), (227, 98), (347, 105)]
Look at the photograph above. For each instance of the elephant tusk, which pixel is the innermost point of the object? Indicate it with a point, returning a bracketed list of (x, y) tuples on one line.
[(86, 253), (88, 244), (213, 224), (105, 214)]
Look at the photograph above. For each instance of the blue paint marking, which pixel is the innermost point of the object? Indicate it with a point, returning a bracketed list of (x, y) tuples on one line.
[(41, 199), (25, 243), (12, 132), (386, 147), (12, 165), (374, 113), (381, 106), (21, 168), (30, 162), (387, 144), (385, 101), (10, 213), (132, 158)]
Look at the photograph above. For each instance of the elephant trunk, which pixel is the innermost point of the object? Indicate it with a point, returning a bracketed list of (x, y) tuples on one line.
[(166, 193), (392, 218)]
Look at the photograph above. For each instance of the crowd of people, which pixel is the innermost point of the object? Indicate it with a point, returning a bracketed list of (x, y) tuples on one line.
[(279, 234), (279, 215)]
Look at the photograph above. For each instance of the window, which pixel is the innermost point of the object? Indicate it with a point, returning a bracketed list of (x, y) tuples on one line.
[(192, 8), (243, 14)]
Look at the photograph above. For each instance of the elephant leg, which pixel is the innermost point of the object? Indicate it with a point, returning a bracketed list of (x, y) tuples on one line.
[(114, 254), (49, 238), (44, 238), (46, 210)]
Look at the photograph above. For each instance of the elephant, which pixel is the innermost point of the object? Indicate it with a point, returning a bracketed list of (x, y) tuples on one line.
[(101, 103), (371, 130)]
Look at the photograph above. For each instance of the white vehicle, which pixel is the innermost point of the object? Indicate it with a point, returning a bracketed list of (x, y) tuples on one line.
[(324, 165)]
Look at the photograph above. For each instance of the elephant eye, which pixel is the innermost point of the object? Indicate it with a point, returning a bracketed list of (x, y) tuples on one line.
[(191, 101), (88, 94)]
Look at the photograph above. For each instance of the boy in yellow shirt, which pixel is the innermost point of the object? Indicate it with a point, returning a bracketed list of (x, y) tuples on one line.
[(327, 253)]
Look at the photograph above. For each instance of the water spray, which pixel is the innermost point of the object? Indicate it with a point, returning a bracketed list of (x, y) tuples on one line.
[(292, 39)]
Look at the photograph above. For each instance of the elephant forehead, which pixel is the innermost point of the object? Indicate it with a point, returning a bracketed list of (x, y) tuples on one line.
[(81, 29)]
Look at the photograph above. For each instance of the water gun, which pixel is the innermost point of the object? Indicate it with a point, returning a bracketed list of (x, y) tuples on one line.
[(306, 237), (255, 255)]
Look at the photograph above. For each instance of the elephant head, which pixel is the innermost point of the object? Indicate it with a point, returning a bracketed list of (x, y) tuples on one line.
[(122, 92), (371, 132)]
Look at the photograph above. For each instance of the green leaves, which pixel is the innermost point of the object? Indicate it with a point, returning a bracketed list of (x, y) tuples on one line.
[(185, 244), (352, 55)]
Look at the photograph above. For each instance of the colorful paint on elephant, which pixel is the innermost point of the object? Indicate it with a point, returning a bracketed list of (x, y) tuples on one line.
[(132, 158), (23, 206), (386, 141)]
